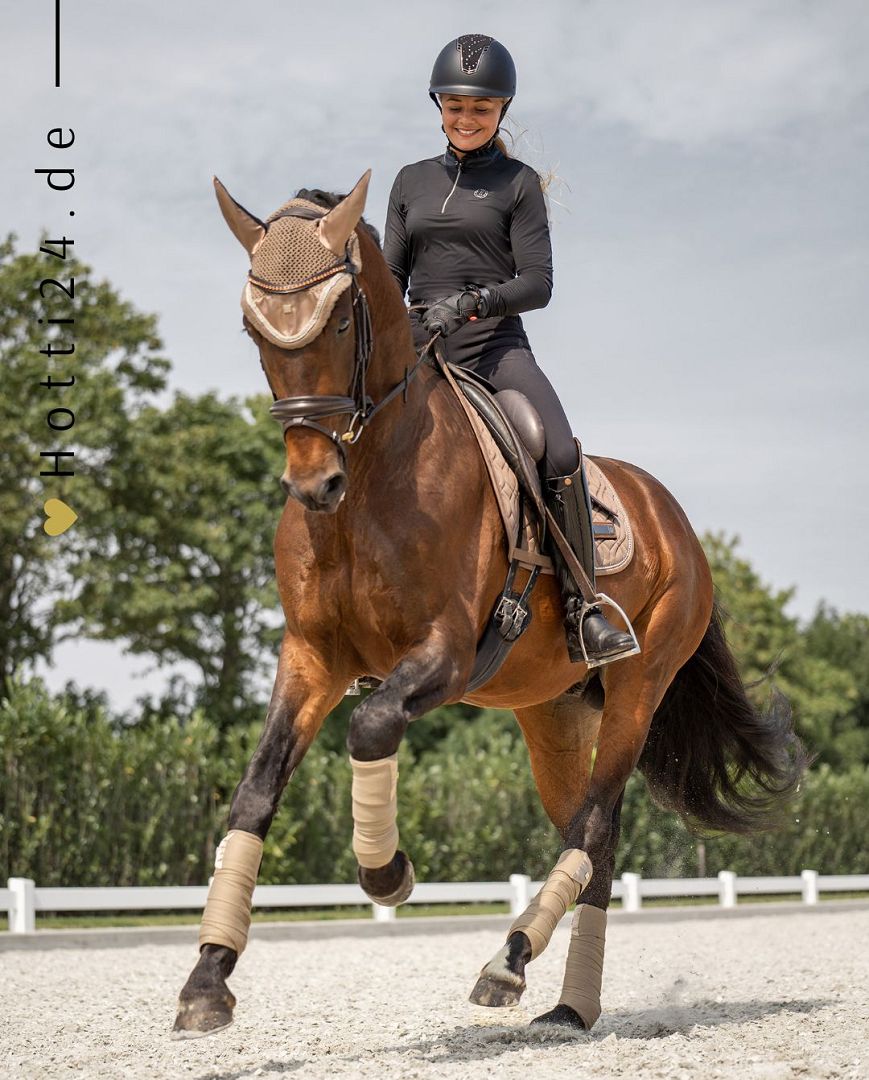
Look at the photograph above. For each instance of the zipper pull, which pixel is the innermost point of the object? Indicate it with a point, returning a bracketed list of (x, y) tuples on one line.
[(453, 188)]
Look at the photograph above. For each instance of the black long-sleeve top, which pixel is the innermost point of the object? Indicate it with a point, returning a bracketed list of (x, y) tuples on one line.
[(480, 220)]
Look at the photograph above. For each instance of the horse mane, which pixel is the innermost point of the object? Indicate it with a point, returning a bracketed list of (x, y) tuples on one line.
[(328, 200)]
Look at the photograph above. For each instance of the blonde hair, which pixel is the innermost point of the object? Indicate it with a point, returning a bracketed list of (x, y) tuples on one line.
[(548, 177)]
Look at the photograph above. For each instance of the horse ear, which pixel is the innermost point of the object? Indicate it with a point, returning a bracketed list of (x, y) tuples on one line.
[(336, 226), (249, 230)]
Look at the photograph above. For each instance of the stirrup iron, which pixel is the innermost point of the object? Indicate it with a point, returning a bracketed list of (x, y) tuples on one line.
[(601, 599)]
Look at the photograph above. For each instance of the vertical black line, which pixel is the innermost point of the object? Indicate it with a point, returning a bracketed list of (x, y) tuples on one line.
[(57, 42)]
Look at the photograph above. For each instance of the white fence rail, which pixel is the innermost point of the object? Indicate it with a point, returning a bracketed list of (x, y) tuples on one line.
[(22, 899)]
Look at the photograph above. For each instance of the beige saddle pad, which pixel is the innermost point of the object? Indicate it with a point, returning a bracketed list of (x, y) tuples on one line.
[(614, 550), (614, 538)]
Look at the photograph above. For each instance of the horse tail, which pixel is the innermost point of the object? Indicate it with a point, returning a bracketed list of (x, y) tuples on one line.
[(710, 755)]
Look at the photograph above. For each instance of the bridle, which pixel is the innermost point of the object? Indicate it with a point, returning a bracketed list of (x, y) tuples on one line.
[(304, 411)]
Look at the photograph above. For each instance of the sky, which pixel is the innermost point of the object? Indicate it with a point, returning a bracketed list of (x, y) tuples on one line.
[(710, 318)]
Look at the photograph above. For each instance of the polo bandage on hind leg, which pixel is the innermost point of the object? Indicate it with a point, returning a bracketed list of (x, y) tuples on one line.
[(583, 971), (375, 809), (569, 877), (226, 919)]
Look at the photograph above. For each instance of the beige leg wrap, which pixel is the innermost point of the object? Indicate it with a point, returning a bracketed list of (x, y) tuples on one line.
[(570, 876), (226, 919), (375, 809), (584, 968)]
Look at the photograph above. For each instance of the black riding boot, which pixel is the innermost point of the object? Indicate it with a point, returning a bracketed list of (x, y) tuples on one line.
[(570, 503)]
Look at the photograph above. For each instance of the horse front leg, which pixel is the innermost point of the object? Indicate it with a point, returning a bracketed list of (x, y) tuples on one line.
[(425, 678), (303, 694)]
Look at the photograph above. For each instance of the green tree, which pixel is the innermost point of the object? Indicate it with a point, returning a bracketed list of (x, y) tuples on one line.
[(186, 571), (843, 641), (116, 367), (86, 802), (774, 652)]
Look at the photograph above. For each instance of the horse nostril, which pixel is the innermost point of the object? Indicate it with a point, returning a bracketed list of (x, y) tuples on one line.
[(332, 488), (285, 485)]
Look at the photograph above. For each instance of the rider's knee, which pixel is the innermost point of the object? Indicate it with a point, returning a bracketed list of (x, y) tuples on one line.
[(562, 457)]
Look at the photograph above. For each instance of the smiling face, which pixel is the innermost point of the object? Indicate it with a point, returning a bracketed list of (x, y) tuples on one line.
[(470, 121)]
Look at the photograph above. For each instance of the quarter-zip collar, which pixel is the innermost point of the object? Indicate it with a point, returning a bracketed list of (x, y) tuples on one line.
[(473, 159)]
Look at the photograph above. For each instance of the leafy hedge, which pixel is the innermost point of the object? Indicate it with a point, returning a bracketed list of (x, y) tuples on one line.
[(85, 802)]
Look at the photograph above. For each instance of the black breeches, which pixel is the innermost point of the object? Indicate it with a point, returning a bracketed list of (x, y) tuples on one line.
[(501, 355)]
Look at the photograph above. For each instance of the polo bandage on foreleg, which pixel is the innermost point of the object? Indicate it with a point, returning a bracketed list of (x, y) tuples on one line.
[(226, 919), (569, 877), (375, 809), (583, 971)]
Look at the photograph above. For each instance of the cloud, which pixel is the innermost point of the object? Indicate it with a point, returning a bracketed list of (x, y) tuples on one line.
[(693, 73), (724, 285)]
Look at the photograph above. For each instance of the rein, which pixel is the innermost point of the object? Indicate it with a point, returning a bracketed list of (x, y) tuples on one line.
[(304, 411)]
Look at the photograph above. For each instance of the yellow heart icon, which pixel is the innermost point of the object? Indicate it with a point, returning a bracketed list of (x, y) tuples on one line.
[(59, 517)]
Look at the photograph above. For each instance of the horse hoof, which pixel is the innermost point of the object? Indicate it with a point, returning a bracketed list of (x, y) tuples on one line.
[(498, 987), (202, 1016), (389, 885), (562, 1015)]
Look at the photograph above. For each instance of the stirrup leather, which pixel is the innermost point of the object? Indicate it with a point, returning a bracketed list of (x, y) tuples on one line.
[(595, 662)]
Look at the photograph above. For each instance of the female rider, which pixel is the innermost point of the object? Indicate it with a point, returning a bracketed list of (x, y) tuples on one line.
[(467, 232)]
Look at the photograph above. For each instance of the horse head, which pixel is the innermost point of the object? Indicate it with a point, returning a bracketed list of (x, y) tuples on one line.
[(305, 310)]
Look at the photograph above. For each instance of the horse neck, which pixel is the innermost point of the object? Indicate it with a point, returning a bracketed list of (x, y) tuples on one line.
[(393, 348), (393, 432)]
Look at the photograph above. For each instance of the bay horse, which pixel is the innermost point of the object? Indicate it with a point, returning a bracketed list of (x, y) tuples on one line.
[(389, 555)]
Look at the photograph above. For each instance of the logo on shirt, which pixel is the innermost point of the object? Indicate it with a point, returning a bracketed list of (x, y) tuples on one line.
[(480, 193)]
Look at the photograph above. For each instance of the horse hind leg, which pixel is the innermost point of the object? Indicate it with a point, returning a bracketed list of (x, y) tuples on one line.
[(580, 1005), (502, 981), (633, 694), (560, 736)]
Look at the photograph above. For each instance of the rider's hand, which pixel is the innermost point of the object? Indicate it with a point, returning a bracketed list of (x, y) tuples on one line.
[(454, 311)]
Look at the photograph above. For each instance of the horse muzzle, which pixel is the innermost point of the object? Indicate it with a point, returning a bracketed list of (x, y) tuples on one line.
[(323, 496)]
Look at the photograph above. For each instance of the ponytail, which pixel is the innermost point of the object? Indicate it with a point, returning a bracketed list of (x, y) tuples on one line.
[(545, 178)]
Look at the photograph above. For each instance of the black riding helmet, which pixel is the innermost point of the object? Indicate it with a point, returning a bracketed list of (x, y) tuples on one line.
[(474, 65)]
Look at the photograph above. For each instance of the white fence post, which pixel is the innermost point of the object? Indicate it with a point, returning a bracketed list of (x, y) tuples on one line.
[(383, 914), (22, 913), (810, 886), (727, 888), (520, 893), (632, 899)]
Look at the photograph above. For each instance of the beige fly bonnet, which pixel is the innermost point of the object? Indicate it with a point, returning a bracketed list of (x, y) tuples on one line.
[(301, 261)]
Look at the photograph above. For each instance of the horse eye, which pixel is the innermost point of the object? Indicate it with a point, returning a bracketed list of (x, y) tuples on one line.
[(343, 326)]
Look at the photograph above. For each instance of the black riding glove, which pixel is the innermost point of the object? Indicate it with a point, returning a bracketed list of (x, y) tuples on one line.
[(454, 311)]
